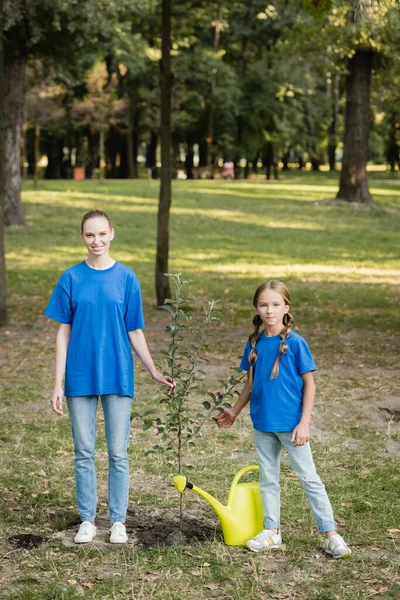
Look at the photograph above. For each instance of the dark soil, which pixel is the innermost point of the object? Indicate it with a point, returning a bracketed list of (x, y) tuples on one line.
[(160, 527), (26, 540)]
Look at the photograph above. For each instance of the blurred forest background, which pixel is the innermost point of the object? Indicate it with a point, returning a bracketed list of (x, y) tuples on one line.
[(264, 86)]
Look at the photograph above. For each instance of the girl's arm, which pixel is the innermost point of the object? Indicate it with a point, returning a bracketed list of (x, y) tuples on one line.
[(228, 417), (301, 434), (62, 342), (139, 345)]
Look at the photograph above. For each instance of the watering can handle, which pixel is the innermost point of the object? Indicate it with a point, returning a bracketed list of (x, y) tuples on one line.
[(238, 476)]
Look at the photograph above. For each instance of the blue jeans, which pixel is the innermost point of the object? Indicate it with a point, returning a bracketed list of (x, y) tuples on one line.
[(82, 411), (268, 446)]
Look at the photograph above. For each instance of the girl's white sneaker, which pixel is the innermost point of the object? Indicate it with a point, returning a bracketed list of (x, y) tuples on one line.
[(266, 540), (87, 531), (336, 546), (118, 533)]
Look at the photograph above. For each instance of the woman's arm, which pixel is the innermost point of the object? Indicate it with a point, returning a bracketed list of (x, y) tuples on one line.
[(301, 434), (139, 345), (62, 341), (228, 417)]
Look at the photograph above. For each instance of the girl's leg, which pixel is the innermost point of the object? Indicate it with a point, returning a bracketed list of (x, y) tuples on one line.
[(268, 449), (117, 411), (82, 412), (303, 465)]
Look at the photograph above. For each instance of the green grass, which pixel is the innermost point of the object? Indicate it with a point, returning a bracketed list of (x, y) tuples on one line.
[(342, 267)]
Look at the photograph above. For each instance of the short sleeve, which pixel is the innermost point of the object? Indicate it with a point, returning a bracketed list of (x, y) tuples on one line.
[(245, 362), (304, 360), (134, 310), (59, 307)]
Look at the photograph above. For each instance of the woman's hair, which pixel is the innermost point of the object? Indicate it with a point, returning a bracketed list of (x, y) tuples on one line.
[(94, 214), (281, 289)]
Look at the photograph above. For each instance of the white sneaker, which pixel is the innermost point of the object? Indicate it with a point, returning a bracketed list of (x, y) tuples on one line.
[(336, 546), (118, 533), (266, 540), (87, 531)]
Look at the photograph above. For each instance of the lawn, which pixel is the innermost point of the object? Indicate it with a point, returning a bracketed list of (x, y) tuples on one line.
[(341, 265)]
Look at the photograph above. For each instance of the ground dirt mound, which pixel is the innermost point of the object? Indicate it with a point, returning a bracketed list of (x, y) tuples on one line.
[(154, 527)]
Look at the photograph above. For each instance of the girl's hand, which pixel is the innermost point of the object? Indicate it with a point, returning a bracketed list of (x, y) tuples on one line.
[(301, 434), (56, 400), (226, 419), (164, 380)]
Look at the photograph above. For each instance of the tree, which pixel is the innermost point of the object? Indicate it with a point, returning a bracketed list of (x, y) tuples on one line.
[(43, 107), (166, 83), (57, 32), (3, 295)]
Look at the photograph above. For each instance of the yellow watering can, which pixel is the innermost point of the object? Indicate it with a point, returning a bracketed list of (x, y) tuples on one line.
[(242, 517)]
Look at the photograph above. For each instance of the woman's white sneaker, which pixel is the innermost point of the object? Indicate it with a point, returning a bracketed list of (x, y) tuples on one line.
[(87, 531), (266, 540), (336, 546), (118, 533)]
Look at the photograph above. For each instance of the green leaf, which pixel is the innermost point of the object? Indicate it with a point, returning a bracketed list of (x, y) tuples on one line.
[(206, 404), (168, 308), (148, 412)]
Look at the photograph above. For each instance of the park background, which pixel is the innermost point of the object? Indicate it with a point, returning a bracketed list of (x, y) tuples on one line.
[(271, 88)]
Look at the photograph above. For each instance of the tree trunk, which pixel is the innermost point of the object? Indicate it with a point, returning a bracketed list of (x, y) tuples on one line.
[(36, 153), (189, 158), (102, 161), (130, 139), (3, 133), (151, 156), (166, 83), (353, 177), (135, 143), (332, 131), (211, 108), (393, 147), (24, 151), (14, 108)]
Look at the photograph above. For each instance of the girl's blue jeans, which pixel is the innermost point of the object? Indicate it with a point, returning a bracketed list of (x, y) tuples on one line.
[(82, 411), (268, 446)]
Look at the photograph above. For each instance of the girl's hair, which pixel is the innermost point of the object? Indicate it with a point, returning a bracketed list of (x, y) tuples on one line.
[(281, 289), (94, 214)]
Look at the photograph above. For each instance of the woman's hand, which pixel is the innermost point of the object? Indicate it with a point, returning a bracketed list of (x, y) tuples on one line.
[(164, 380), (227, 418), (56, 400), (301, 434)]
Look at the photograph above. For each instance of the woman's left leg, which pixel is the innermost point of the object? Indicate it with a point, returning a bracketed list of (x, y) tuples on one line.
[(117, 411)]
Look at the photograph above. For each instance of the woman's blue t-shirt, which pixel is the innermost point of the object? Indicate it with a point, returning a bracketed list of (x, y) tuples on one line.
[(101, 306), (277, 404)]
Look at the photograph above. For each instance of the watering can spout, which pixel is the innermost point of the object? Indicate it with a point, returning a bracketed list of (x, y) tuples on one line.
[(225, 514)]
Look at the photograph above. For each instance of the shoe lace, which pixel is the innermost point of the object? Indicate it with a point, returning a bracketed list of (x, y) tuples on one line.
[(84, 527), (263, 535), (119, 528), (338, 542)]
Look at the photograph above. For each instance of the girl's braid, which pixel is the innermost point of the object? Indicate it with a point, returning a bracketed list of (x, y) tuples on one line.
[(253, 339), (287, 322)]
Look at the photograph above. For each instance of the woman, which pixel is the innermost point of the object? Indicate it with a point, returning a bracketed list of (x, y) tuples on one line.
[(98, 305)]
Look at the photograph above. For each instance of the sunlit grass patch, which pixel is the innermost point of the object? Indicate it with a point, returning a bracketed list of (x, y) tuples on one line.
[(342, 267)]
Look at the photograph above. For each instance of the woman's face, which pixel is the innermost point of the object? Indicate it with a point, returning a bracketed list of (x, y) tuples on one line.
[(97, 236)]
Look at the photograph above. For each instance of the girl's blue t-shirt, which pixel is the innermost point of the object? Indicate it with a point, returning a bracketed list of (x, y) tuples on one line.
[(101, 306), (277, 404)]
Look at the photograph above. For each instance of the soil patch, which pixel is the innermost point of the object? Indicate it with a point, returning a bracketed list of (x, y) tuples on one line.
[(26, 540), (153, 527)]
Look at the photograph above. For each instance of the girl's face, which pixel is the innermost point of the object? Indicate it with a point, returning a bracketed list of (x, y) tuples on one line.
[(97, 236), (271, 307)]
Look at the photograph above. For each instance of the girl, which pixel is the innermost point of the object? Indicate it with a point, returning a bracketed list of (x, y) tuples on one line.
[(99, 308), (281, 391)]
